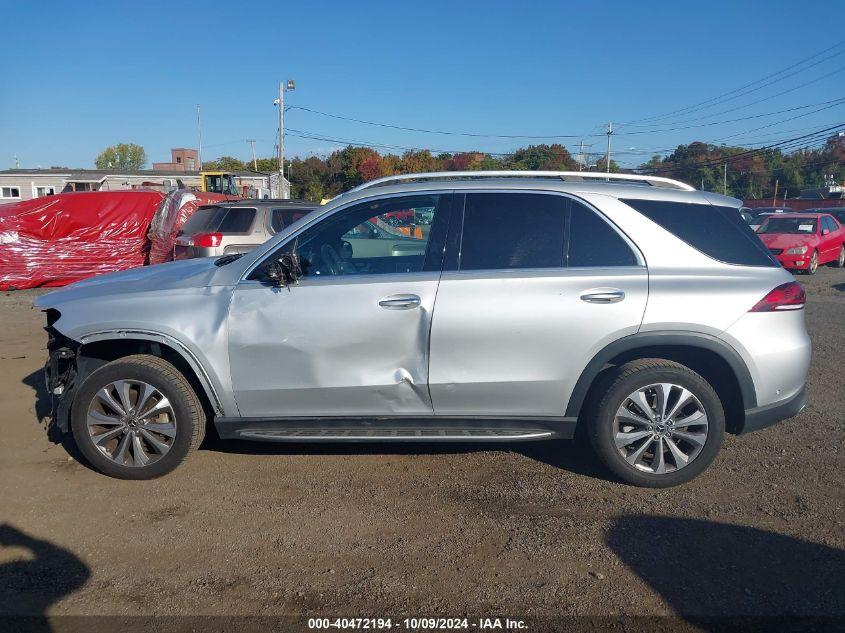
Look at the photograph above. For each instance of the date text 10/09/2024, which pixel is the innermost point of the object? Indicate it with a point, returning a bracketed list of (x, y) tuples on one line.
[(415, 624)]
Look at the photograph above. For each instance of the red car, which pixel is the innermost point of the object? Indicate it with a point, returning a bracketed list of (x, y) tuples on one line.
[(804, 241)]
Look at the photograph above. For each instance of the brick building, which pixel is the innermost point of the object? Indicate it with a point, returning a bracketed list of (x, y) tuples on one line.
[(181, 159)]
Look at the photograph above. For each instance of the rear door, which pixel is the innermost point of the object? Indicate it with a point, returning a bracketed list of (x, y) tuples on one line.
[(534, 284)]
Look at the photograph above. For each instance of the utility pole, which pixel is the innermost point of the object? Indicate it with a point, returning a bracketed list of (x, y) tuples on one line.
[(286, 86), (281, 139), (199, 133), (725, 180), (775, 199), (609, 134), (581, 156), (251, 141)]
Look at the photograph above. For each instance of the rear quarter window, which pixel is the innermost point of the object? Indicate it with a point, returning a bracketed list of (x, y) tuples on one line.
[(718, 232), (283, 218)]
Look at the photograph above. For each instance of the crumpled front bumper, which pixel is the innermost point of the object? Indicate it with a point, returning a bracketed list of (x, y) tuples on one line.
[(60, 377)]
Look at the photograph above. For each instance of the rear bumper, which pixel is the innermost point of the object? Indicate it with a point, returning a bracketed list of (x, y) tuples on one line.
[(190, 252), (761, 417)]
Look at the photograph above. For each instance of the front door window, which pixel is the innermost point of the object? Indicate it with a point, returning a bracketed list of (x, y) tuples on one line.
[(386, 236)]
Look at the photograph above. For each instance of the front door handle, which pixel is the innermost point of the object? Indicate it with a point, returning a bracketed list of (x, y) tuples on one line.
[(400, 302), (603, 295)]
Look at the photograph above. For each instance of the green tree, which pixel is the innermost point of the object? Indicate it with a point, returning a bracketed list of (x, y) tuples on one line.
[(225, 163), (123, 156)]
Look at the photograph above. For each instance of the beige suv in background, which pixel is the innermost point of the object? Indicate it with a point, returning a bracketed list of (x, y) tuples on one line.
[(236, 227)]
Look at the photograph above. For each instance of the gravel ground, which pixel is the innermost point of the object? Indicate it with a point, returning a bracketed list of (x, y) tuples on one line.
[(523, 530)]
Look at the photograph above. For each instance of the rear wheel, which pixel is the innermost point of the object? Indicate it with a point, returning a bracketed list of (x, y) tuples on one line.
[(137, 418), (658, 423), (839, 262)]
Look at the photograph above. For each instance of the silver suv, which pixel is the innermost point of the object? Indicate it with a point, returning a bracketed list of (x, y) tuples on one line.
[(473, 307), (236, 227)]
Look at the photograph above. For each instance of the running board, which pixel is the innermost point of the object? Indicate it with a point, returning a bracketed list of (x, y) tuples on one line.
[(434, 429)]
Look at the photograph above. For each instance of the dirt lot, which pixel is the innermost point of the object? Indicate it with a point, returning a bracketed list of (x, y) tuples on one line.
[(419, 530)]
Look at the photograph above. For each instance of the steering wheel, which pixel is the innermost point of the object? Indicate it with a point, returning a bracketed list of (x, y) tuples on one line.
[(331, 259)]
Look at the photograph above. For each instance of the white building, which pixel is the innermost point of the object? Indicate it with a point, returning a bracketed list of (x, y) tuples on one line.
[(26, 184)]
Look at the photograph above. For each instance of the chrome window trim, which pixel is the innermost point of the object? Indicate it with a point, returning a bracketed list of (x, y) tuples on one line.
[(269, 248)]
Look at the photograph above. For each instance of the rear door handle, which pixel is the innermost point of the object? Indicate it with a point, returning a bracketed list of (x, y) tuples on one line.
[(400, 302), (603, 295)]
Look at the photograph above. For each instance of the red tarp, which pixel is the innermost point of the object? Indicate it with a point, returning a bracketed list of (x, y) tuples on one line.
[(54, 240), (172, 214)]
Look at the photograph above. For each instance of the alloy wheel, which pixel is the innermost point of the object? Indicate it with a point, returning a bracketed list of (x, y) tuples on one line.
[(814, 262), (660, 428), (131, 422)]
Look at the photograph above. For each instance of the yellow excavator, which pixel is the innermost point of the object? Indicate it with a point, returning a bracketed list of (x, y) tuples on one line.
[(219, 182)]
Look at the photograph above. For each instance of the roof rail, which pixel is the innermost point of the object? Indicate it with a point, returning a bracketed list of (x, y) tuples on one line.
[(575, 176)]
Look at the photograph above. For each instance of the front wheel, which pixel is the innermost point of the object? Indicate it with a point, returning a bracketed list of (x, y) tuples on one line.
[(658, 423), (136, 418), (813, 266)]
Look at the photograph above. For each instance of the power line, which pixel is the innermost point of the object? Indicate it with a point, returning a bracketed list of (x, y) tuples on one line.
[(721, 98), (445, 132), (729, 110), (325, 138), (792, 143), (828, 105)]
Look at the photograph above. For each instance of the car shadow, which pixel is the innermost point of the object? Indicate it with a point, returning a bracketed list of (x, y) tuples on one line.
[(43, 409), (43, 400), (839, 287), (30, 584), (708, 571), (567, 455)]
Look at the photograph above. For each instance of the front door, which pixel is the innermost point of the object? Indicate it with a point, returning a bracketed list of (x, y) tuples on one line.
[(540, 283), (351, 339)]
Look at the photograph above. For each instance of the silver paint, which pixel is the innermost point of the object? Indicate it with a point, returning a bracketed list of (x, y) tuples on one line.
[(497, 343)]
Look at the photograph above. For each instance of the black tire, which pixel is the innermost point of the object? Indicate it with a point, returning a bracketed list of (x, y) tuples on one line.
[(190, 419), (617, 385), (839, 262)]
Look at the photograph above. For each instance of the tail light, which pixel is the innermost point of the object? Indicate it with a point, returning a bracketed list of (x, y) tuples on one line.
[(788, 296), (207, 240)]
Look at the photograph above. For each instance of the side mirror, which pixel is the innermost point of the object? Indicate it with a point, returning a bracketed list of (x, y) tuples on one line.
[(291, 268), (283, 271), (825, 231)]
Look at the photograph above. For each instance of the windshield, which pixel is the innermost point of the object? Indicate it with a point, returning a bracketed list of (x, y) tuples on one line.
[(789, 225)]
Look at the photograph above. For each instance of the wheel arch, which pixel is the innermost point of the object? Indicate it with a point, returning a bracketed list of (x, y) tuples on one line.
[(95, 350), (714, 359)]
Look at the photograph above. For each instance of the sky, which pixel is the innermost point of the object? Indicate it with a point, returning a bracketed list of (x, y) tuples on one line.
[(80, 76)]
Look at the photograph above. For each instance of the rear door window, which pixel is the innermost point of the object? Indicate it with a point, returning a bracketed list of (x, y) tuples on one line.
[(513, 230), (283, 218), (716, 231)]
